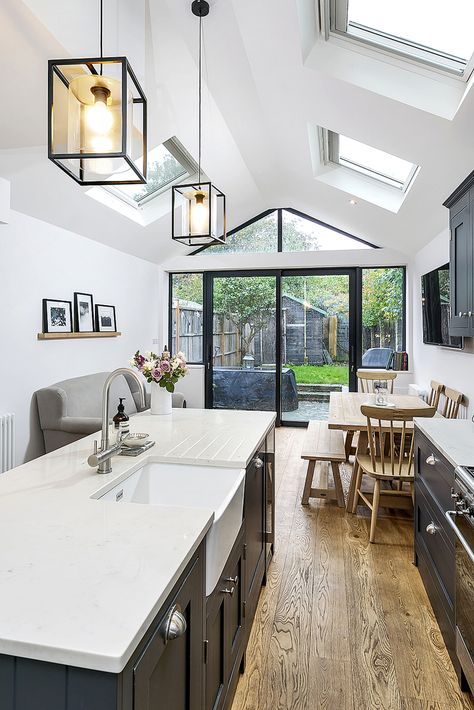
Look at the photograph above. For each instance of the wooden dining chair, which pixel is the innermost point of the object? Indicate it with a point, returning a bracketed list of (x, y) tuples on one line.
[(437, 389), (367, 378), (389, 458), (453, 399)]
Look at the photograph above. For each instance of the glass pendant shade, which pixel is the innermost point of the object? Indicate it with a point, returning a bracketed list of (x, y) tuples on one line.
[(198, 214), (97, 121)]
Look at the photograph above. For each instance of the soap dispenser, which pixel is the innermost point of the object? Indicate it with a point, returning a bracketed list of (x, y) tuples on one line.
[(120, 417)]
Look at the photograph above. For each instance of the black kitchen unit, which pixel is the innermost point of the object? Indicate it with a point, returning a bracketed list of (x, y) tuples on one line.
[(191, 655), (435, 539), (461, 219)]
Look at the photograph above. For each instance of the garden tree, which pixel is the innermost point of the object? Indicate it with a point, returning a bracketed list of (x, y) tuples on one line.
[(188, 287), (262, 236), (329, 293), (382, 298), (247, 302)]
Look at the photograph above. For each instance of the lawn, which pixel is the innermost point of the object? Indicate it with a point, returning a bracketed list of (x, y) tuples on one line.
[(321, 374)]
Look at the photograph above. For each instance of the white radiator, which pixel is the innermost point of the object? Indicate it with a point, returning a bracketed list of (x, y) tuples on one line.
[(418, 391), (7, 442)]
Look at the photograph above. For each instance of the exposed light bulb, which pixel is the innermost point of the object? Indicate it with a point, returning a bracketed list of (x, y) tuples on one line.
[(199, 214), (353, 202), (99, 116)]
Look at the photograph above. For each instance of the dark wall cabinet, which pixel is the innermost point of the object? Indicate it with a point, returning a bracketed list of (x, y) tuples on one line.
[(461, 211), (191, 655), (434, 539)]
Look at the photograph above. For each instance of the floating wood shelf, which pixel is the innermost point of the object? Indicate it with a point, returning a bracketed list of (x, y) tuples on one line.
[(67, 336)]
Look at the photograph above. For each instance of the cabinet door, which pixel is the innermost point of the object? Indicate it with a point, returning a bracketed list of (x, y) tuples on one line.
[(168, 674), (234, 588), (224, 627), (460, 272), (215, 651), (270, 496), (254, 515)]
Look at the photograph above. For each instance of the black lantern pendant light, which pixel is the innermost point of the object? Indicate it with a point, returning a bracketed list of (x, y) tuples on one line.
[(97, 119), (198, 209)]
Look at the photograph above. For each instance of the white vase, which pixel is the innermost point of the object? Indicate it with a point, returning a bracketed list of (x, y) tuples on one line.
[(160, 400)]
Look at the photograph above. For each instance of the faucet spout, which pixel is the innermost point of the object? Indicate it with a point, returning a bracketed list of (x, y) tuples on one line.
[(103, 460)]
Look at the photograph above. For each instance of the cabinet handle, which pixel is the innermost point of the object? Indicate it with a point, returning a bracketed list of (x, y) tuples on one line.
[(174, 625), (258, 463), (460, 314), (469, 313), (431, 460), (228, 591), (431, 529), (232, 580)]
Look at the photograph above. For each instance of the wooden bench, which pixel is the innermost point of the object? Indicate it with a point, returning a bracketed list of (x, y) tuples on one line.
[(323, 444)]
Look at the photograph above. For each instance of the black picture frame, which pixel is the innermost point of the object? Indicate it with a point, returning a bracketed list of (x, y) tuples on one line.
[(56, 325), (100, 314), (78, 316)]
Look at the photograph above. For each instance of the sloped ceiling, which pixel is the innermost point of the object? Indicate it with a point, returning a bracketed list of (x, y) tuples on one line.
[(260, 97)]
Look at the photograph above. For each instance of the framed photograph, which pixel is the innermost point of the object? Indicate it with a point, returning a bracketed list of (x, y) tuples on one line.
[(105, 318), (57, 316), (83, 312)]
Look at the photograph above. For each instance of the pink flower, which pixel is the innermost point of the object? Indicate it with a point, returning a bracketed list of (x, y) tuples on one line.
[(165, 366), (156, 374)]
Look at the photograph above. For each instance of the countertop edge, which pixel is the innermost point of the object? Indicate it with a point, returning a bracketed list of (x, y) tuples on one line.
[(425, 428), (101, 662)]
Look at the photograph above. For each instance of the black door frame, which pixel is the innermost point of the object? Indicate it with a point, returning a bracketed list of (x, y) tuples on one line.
[(355, 313)]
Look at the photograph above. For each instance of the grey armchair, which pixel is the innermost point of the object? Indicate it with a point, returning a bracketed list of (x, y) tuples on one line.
[(71, 409)]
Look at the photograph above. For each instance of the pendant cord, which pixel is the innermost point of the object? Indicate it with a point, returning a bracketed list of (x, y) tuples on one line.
[(101, 24), (200, 101)]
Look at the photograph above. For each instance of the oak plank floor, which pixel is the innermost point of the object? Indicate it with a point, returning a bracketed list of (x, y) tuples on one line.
[(342, 624)]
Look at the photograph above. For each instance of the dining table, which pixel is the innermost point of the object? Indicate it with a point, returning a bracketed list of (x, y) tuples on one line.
[(345, 415)]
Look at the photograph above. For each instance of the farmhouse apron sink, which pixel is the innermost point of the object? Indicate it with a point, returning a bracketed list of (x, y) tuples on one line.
[(208, 487)]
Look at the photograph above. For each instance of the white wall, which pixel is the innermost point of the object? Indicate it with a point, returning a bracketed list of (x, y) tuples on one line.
[(38, 260), (452, 367)]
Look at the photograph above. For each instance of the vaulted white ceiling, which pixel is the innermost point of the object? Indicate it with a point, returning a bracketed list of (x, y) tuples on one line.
[(265, 88)]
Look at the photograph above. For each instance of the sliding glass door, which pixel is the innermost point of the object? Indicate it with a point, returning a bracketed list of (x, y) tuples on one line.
[(317, 341), (279, 341), (241, 341)]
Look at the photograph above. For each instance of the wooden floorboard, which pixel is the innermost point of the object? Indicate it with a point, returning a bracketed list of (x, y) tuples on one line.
[(342, 624)]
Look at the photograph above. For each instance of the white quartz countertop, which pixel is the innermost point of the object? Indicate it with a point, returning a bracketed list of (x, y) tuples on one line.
[(454, 438), (81, 580)]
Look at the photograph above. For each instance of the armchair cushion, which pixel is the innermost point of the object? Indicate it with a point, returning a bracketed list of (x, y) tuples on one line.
[(71, 409)]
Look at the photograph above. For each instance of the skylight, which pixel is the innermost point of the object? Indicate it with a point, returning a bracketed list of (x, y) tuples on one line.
[(424, 30), (168, 163), (370, 161)]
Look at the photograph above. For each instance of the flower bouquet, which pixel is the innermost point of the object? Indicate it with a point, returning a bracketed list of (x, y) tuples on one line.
[(163, 372)]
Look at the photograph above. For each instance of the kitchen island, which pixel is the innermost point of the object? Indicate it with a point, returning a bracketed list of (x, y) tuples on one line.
[(83, 582)]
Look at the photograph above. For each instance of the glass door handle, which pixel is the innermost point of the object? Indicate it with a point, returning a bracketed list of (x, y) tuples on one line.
[(352, 366)]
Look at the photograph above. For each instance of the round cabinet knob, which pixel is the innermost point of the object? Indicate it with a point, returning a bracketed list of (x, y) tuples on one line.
[(174, 625), (232, 580), (258, 462), (431, 529), (228, 591), (431, 460)]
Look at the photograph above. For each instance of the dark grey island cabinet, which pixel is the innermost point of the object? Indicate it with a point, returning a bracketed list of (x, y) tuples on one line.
[(231, 607), (164, 673), (191, 655)]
